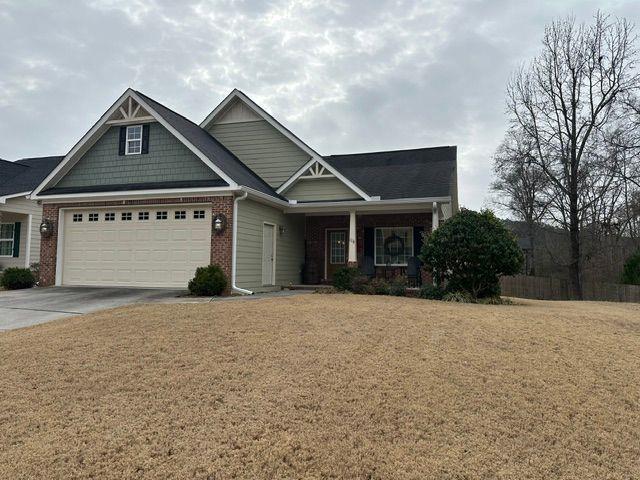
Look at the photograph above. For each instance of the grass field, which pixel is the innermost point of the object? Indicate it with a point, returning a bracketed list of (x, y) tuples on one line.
[(325, 386)]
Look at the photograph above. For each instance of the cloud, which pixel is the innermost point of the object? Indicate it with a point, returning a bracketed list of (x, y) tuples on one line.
[(344, 75)]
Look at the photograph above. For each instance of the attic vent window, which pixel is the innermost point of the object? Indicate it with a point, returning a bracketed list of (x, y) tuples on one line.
[(134, 140)]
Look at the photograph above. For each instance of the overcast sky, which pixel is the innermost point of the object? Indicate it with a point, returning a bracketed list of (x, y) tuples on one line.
[(345, 76)]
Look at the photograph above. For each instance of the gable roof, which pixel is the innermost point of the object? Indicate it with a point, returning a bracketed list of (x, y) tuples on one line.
[(212, 148), (239, 95), (207, 148), (25, 174), (385, 174)]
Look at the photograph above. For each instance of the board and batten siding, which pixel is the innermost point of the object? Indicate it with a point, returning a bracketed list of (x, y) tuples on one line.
[(289, 245), (20, 208), (168, 160), (308, 190), (262, 148)]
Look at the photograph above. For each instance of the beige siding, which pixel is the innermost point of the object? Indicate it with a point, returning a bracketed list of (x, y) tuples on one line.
[(16, 210), (289, 245), (262, 148), (320, 189)]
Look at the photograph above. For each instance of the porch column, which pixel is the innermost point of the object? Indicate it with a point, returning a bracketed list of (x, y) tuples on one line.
[(435, 221), (352, 259)]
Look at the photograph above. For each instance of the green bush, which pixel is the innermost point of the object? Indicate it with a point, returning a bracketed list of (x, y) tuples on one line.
[(398, 287), (208, 281), (343, 277), (361, 286), (631, 270), (16, 278), (458, 297), (470, 252), (380, 286), (431, 292)]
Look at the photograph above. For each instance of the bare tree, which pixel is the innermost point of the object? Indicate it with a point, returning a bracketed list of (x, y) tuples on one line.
[(520, 184), (562, 102)]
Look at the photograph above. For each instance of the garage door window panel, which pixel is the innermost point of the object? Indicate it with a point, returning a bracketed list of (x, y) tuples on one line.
[(161, 215), (126, 216), (180, 215)]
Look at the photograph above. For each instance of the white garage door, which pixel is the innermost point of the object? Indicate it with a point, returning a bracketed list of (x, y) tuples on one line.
[(142, 246)]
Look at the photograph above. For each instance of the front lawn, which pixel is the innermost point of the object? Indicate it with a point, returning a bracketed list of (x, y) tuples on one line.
[(325, 386)]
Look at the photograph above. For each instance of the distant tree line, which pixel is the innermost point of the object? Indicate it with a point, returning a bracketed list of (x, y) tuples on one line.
[(571, 155)]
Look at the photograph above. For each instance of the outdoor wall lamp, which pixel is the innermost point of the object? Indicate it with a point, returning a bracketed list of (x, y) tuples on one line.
[(46, 228), (282, 229), (219, 223)]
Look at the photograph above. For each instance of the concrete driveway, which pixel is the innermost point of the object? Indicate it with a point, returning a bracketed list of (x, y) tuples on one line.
[(21, 308)]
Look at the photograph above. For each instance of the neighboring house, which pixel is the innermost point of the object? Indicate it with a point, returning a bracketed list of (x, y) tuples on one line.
[(20, 217), (146, 196)]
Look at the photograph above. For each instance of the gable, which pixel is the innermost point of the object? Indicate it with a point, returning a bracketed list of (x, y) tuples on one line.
[(320, 189), (168, 160), (261, 147)]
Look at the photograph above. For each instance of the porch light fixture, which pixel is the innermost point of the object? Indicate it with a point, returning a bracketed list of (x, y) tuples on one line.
[(219, 223), (282, 229), (46, 228)]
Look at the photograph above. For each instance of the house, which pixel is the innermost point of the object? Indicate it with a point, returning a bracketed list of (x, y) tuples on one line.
[(146, 196), (20, 216)]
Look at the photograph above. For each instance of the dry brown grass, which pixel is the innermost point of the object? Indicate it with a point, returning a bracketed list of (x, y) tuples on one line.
[(325, 386)]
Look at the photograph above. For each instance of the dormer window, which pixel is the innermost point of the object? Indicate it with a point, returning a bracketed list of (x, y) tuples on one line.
[(134, 140)]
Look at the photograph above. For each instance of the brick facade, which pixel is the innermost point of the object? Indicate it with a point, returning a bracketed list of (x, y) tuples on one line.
[(221, 244), (316, 227)]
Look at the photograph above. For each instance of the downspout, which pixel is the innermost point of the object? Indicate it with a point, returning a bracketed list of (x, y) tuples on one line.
[(234, 246)]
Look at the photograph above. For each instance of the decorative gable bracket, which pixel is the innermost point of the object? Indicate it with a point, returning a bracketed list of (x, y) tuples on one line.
[(317, 170)]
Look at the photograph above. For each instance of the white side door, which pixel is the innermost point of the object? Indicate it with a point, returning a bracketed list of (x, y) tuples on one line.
[(268, 254)]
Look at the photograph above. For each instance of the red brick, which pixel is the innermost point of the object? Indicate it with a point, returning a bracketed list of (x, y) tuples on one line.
[(317, 226)]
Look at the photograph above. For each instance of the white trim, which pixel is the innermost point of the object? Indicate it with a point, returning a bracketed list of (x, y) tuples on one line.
[(60, 247), (235, 93), (391, 264), (92, 196), (27, 253), (12, 239), (4, 199), (435, 218), (352, 239), (374, 205), (131, 121), (234, 246), (289, 183), (127, 140), (275, 250), (95, 131)]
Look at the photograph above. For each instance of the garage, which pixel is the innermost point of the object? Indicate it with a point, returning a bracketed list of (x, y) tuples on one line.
[(146, 246)]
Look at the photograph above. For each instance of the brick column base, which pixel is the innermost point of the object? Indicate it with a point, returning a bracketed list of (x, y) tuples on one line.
[(222, 243)]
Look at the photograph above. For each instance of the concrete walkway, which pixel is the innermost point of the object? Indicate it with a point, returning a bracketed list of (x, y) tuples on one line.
[(23, 308)]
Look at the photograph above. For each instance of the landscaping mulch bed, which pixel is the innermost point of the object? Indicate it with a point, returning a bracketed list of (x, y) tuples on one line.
[(325, 386)]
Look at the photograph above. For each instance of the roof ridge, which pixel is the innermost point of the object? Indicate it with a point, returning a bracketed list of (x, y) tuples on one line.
[(391, 151)]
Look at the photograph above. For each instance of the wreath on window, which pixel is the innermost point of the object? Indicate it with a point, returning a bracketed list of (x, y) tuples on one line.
[(393, 245)]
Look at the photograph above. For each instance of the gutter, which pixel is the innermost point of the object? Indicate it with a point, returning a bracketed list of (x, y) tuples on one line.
[(234, 247)]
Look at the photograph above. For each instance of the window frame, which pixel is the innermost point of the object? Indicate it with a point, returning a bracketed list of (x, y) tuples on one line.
[(93, 217), (142, 214), (375, 245), (110, 216), (127, 140), (77, 218), (126, 216), (12, 239), (179, 214), (344, 247), (162, 215), (198, 217)]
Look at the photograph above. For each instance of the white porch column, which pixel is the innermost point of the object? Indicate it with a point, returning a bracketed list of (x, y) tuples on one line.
[(435, 221), (352, 259), (27, 247)]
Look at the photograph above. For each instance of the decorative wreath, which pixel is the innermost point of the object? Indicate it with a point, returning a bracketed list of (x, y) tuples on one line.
[(393, 241)]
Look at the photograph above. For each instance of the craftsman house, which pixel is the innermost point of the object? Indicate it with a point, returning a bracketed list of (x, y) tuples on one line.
[(146, 196)]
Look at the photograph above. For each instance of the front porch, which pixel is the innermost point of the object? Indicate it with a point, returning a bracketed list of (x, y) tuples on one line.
[(381, 244), (15, 238)]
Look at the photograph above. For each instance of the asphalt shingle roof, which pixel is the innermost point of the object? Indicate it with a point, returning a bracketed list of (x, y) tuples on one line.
[(212, 148), (417, 173), (26, 174)]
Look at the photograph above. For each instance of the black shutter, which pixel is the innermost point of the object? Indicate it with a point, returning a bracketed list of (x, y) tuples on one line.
[(16, 239), (145, 138), (369, 242), (417, 240), (123, 139)]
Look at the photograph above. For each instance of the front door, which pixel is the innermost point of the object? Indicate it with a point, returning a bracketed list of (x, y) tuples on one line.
[(268, 251), (336, 251)]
